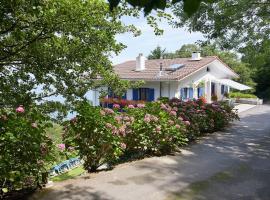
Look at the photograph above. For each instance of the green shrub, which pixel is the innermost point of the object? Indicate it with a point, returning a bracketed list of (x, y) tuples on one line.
[(102, 135), (155, 130), (96, 135), (241, 95), (25, 149), (203, 118)]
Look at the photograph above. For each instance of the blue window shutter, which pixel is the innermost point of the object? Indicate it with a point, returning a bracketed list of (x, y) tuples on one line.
[(124, 96), (182, 93), (200, 92), (151, 94), (190, 91), (135, 94), (223, 89)]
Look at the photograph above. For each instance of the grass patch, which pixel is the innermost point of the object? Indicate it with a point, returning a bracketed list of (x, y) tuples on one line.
[(70, 174)]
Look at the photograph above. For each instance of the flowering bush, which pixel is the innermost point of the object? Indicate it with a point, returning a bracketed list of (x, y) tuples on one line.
[(154, 130), (102, 135), (96, 134), (203, 117), (25, 150)]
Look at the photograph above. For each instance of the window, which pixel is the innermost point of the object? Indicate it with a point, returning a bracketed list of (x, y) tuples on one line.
[(143, 94), (222, 89), (184, 93), (200, 92)]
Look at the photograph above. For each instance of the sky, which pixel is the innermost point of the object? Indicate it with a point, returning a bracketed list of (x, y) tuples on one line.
[(172, 39)]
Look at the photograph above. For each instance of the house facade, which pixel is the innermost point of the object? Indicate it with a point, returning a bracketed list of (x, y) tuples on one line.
[(185, 78)]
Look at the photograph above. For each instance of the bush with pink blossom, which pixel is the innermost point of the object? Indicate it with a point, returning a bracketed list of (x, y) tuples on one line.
[(151, 131), (103, 135), (96, 135), (25, 149)]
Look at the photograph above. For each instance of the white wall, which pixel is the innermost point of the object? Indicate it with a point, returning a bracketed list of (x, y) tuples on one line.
[(171, 89)]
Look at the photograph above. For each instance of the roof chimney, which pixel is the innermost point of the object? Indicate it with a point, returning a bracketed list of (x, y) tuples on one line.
[(140, 62), (196, 56)]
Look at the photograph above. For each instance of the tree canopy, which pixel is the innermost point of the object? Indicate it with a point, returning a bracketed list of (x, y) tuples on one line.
[(233, 22), (189, 6), (51, 48), (157, 53)]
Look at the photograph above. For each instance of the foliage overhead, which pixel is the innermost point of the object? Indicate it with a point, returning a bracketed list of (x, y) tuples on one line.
[(56, 48), (233, 22), (189, 6)]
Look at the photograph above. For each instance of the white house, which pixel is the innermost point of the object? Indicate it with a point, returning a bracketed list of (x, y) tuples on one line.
[(185, 78)]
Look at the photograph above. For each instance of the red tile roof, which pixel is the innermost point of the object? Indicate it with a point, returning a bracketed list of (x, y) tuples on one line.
[(126, 70)]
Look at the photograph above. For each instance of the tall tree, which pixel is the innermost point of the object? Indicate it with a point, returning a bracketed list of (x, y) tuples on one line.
[(157, 53), (233, 22), (55, 48), (186, 50), (258, 57)]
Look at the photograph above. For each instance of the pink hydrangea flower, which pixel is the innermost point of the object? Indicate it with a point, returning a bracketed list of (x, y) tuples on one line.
[(140, 105), (131, 106), (173, 113), (34, 125), (62, 147), (163, 106), (122, 130), (177, 126), (102, 113), (126, 118), (154, 118), (117, 106), (147, 119), (108, 125), (158, 129), (118, 118), (180, 118), (123, 145), (108, 111), (20, 109), (171, 122), (175, 109), (187, 123)]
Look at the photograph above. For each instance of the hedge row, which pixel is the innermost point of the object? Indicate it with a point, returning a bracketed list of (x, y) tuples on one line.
[(104, 135)]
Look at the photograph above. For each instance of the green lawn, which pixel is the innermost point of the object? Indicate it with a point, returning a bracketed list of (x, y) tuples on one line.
[(70, 174)]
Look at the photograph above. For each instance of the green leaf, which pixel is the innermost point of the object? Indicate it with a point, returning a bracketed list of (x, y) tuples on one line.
[(5, 190), (191, 6)]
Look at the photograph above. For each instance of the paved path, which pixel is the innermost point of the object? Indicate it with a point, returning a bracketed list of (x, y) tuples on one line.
[(243, 107), (234, 164)]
